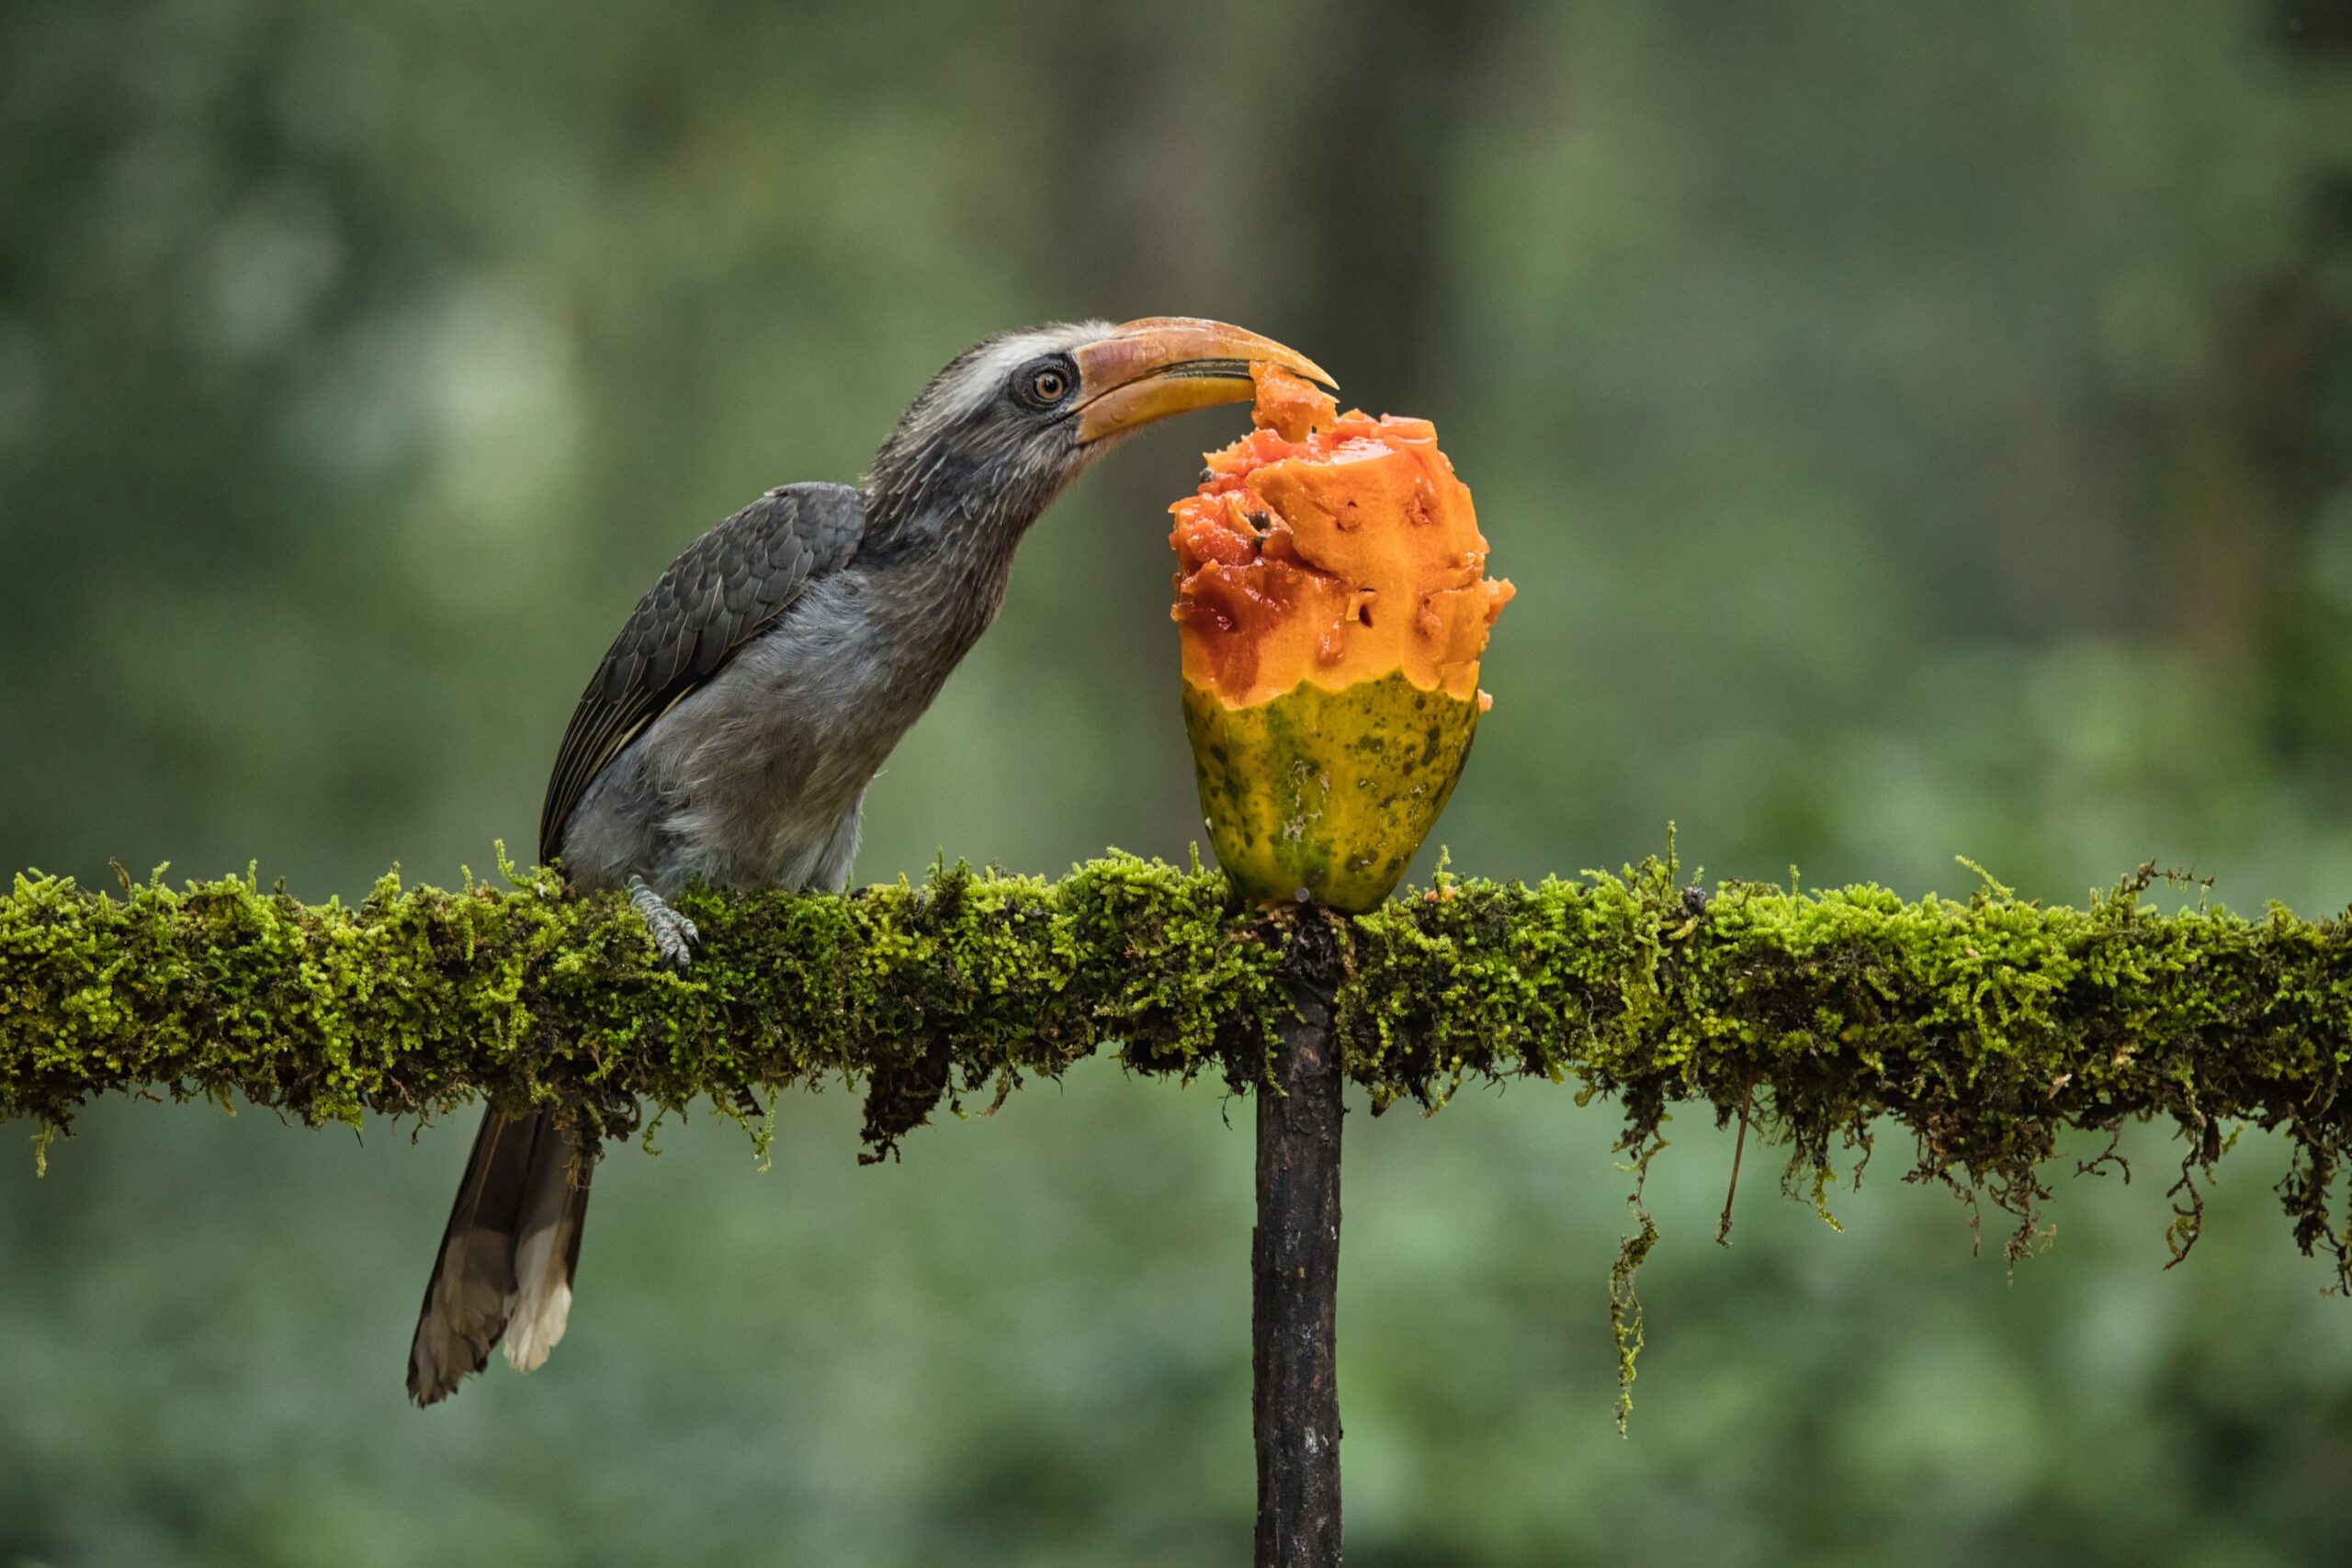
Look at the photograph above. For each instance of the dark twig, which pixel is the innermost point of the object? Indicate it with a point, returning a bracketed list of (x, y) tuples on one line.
[(1738, 1148)]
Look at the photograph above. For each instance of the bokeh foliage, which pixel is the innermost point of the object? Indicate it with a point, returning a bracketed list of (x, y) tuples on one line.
[(1913, 435)]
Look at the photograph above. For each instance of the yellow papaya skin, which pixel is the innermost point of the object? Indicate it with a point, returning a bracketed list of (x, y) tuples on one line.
[(1325, 792)]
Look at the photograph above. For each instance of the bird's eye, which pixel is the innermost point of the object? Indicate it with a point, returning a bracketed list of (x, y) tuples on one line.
[(1045, 385)]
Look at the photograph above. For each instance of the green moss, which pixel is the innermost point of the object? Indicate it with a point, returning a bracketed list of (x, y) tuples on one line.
[(420, 999), (1984, 1029)]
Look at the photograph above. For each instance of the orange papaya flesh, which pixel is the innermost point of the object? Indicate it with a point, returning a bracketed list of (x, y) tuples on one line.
[(1332, 605)]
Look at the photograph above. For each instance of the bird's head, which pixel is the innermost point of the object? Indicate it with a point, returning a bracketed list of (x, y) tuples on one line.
[(996, 435)]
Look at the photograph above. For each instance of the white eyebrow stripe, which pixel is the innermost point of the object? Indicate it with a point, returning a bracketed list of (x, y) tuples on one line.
[(985, 374)]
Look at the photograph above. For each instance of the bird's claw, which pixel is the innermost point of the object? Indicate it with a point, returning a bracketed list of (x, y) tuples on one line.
[(674, 937)]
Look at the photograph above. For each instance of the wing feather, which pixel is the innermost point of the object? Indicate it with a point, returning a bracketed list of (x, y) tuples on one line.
[(724, 590)]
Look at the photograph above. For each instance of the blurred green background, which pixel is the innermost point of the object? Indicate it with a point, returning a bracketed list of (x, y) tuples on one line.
[(1914, 432)]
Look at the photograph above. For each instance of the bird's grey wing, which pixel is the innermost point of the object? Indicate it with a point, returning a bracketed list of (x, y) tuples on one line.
[(723, 591)]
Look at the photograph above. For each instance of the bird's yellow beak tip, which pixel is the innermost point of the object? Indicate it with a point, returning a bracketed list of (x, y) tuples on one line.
[(1148, 370)]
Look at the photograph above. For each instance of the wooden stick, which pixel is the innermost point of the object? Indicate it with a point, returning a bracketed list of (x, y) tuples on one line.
[(1295, 1269)]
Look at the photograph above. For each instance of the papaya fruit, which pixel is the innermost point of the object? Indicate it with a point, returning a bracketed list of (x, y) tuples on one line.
[(1332, 605)]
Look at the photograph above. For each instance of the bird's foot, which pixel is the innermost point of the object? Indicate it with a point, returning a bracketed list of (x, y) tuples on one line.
[(674, 937)]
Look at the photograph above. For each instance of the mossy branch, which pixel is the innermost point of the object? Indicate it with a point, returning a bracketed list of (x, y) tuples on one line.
[(1984, 1028)]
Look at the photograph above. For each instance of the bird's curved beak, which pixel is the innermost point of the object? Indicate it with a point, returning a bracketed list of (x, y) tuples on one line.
[(1148, 370)]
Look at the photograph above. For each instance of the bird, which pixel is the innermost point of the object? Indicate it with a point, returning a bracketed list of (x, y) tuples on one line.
[(728, 735)]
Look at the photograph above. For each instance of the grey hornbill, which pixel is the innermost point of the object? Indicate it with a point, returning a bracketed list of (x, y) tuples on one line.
[(730, 732)]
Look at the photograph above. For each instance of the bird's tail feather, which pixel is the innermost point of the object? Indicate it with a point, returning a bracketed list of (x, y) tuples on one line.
[(547, 1253), (507, 1258)]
